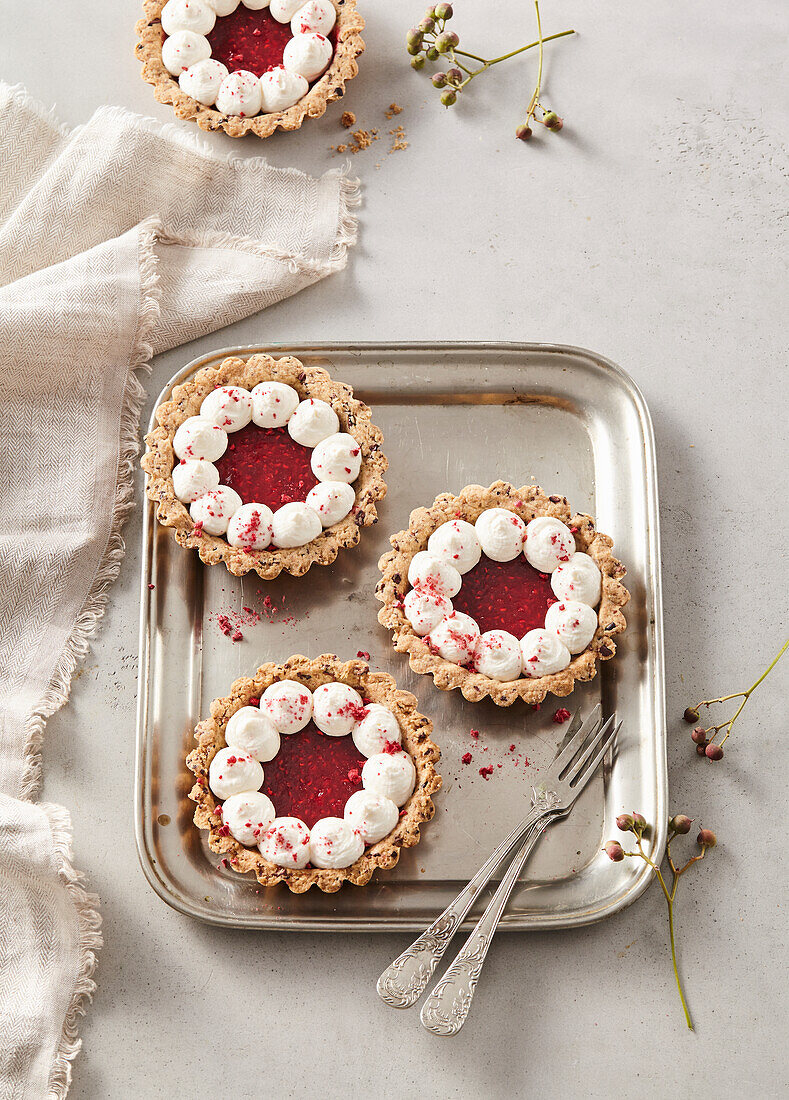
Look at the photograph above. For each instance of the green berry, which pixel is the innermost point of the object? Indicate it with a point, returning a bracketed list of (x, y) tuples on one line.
[(418, 62), (680, 823), (552, 121), (446, 41), (432, 53), (523, 132), (414, 37), (444, 11), (427, 25), (439, 80), (454, 76), (448, 97)]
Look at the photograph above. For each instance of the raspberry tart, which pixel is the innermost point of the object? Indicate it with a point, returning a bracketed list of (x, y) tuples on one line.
[(313, 773), (249, 66), (265, 465), (502, 592)]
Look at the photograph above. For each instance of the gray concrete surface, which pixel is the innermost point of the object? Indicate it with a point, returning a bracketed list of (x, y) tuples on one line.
[(653, 230)]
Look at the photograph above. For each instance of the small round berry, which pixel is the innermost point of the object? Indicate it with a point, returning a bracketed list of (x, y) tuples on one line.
[(699, 736), (418, 62), (414, 50), (639, 823), (625, 823), (701, 749), (691, 715), (439, 80), (444, 11), (552, 121), (713, 752), (454, 76), (706, 838), (448, 97), (428, 24), (446, 41), (414, 37), (524, 132), (614, 851), (431, 53), (680, 823)]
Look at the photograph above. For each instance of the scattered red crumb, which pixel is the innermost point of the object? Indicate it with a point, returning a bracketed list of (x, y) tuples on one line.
[(152, 586), (474, 734), (218, 810), (223, 864), (363, 654), (466, 758), (354, 775), (512, 748), (486, 772), (198, 529), (254, 701), (392, 747), (238, 636), (561, 715)]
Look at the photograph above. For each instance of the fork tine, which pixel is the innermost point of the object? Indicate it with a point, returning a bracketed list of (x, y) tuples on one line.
[(579, 781), (576, 767), (568, 752)]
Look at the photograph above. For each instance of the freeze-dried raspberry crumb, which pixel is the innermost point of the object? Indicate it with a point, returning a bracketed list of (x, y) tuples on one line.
[(362, 654), (466, 758), (561, 715), (474, 734), (486, 772), (238, 636)]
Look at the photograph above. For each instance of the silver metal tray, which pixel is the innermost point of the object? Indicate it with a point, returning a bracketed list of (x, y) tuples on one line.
[(452, 414)]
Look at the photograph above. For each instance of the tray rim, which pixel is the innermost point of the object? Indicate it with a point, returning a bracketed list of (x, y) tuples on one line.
[(631, 892)]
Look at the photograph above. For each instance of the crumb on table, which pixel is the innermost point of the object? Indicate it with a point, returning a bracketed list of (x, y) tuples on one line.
[(348, 119), (394, 109)]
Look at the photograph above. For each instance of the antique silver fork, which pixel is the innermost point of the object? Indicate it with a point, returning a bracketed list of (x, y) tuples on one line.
[(402, 983)]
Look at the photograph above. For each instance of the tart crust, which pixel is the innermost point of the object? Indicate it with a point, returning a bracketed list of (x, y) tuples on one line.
[(527, 502), (327, 88), (355, 419), (377, 686)]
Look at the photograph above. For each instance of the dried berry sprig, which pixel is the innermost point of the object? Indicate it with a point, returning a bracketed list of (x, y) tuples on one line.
[(430, 40), (706, 745), (677, 826)]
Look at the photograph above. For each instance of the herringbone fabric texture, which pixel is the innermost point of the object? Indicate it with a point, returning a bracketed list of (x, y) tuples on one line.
[(117, 240)]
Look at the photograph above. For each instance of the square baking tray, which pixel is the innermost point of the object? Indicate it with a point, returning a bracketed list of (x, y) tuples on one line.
[(452, 415)]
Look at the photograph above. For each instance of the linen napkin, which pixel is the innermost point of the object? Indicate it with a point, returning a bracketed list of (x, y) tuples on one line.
[(118, 239)]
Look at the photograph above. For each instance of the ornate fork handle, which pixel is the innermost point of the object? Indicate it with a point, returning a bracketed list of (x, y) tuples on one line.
[(402, 984), (445, 1010)]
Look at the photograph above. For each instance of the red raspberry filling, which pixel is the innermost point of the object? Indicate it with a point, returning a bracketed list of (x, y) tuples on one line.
[(252, 40), (505, 595), (266, 466), (313, 776)]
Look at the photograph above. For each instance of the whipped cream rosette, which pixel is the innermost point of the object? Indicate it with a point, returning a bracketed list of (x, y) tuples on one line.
[(265, 465), (313, 773), (503, 592)]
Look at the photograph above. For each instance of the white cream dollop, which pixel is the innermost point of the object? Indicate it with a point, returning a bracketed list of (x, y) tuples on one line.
[(215, 509), (187, 15), (575, 623), (223, 7), (332, 500), (281, 88), (183, 49), (253, 732), (199, 438), (192, 477), (498, 655), (307, 54), (337, 458), (286, 842), (273, 404), (233, 772), (239, 94), (455, 638), (548, 542), (390, 775), (578, 579), (248, 816), (336, 708), (229, 407), (334, 843), (294, 524), (251, 527), (255, 5), (288, 705), (315, 15), (284, 10), (378, 727), (202, 80), (543, 653), (371, 815), (432, 574), (456, 542), (313, 421), (500, 534), (425, 610)]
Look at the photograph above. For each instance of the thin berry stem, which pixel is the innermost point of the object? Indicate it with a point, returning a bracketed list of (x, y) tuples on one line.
[(745, 695), (536, 94), (488, 62), (669, 896)]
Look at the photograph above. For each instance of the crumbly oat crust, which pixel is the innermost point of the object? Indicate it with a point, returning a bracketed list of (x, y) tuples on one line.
[(527, 502), (327, 88), (355, 419), (378, 687)]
